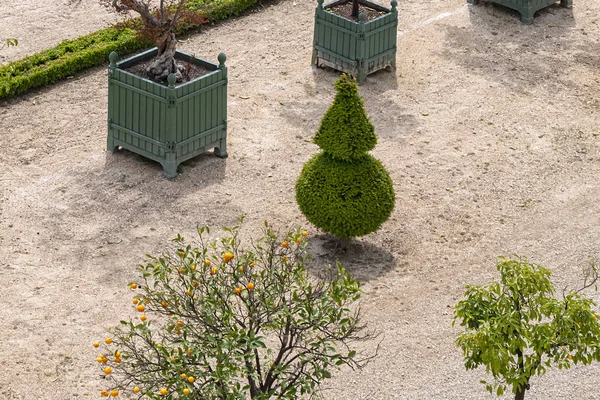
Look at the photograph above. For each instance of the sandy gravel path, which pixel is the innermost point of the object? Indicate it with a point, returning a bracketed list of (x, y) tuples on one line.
[(489, 129)]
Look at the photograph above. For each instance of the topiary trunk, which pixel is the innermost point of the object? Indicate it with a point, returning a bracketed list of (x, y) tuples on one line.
[(355, 8)]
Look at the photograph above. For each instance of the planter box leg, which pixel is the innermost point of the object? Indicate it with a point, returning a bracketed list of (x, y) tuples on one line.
[(527, 17), (110, 143), (362, 76), (391, 67), (221, 151), (170, 166), (566, 3)]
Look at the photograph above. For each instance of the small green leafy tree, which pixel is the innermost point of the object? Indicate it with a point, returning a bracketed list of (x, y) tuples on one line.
[(220, 322), (517, 329)]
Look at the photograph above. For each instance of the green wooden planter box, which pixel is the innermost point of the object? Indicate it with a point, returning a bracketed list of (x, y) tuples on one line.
[(167, 124), (527, 7), (357, 48)]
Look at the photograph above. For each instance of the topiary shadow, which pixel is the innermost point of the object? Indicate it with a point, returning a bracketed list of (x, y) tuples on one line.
[(363, 260)]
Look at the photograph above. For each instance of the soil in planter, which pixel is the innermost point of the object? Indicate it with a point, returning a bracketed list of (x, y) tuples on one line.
[(345, 10), (191, 71)]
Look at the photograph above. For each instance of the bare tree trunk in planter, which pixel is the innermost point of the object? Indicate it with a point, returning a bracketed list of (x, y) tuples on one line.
[(157, 26), (165, 63), (355, 8)]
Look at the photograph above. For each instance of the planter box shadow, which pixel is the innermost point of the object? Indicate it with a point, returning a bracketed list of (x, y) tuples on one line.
[(527, 8), (357, 48), (167, 124)]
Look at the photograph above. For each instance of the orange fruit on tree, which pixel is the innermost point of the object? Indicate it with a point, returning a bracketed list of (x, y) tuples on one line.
[(96, 344), (207, 262), (104, 393), (163, 391), (188, 292), (570, 357), (304, 233), (241, 269), (164, 304), (237, 290), (136, 389), (107, 370), (100, 358), (179, 323), (213, 270), (191, 379), (114, 393), (133, 286), (104, 360), (186, 391), (227, 257), (193, 267), (183, 376), (180, 270), (298, 240), (135, 301), (108, 340), (250, 286), (142, 318), (182, 253), (141, 308), (284, 244)]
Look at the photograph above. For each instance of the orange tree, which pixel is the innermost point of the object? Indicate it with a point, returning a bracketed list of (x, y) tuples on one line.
[(219, 322), (517, 329)]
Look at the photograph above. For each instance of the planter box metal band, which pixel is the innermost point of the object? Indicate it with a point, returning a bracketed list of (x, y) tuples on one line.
[(355, 48), (167, 124), (527, 7)]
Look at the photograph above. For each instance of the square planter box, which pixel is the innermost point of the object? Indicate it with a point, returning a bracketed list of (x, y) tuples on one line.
[(357, 48), (527, 7), (167, 124)]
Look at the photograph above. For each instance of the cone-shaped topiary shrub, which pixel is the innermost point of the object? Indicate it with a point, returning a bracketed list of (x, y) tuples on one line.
[(346, 132), (343, 190)]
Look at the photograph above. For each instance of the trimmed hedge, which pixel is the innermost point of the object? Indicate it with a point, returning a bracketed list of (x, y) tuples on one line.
[(64, 60), (72, 56)]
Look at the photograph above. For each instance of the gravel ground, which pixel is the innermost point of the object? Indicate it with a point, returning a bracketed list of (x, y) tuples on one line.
[(489, 129)]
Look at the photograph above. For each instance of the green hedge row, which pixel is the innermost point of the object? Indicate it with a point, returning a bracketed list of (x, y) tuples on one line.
[(72, 56)]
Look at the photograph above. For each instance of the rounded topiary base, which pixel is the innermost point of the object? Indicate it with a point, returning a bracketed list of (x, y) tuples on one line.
[(345, 198)]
